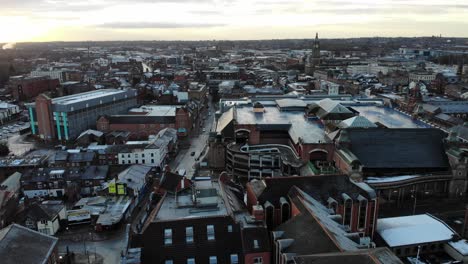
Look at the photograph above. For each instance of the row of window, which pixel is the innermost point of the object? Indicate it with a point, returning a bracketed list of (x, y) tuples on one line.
[(137, 161), (234, 259), (136, 155), (189, 237)]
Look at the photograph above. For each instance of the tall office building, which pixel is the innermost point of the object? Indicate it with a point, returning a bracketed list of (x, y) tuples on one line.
[(64, 118)]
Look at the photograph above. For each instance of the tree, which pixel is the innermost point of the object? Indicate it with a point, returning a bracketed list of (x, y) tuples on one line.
[(4, 150)]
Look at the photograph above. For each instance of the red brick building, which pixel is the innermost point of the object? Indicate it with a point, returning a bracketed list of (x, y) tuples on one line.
[(356, 203), (26, 88), (148, 120)]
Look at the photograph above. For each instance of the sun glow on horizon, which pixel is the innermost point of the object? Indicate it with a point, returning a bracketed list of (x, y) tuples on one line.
[(75, 20)]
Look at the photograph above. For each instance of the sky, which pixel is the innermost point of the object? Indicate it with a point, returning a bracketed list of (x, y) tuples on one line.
[(81, 20)]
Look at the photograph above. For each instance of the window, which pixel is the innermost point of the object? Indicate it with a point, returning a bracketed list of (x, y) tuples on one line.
[(189, 235), (143, 155), (44, 222), (152, 154), (169, 261), (210, 232), (230, 228), (168, 236), (143, 161), (213, 260), (190, 261), (234, 259), (152, 160), (258, 260), (256, 245)]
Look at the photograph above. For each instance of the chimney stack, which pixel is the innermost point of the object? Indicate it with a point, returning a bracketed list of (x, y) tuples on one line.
[(258, 212)]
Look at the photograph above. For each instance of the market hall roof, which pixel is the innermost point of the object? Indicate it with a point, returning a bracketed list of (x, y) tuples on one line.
[(402, 148), (298, 126)]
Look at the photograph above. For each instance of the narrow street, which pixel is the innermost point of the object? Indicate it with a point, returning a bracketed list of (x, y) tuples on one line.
[(198, 142)]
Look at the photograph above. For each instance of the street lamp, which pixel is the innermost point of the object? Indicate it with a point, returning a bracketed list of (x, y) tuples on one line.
[(415, 197)]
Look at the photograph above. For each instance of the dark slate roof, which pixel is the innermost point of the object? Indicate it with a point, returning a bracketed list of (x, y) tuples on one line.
[(319, 187), (81, 157), (399, 148), (95, 172), (138, 119), (368, 256), (19, 244), (450, 107), (40, 212)]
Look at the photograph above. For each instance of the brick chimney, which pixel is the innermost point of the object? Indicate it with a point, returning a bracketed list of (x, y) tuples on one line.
[(258, 213)]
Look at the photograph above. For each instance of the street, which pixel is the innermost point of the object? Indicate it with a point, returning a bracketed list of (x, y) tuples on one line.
[(109, 249), (198, 142)]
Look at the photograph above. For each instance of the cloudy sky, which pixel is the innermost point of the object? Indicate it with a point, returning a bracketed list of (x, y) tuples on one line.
[(47, 20)]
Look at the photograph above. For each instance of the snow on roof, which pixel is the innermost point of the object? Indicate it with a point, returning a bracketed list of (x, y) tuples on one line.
[(413, 230), (357, 121), (390, 179), (461, 246)]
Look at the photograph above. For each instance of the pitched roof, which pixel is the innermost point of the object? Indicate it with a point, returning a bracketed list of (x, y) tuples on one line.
[(39, 212), (170, 181), (19, 244), (139, 119), (319, 187), (413, 230), (91, 132), (357, 121), (368, 256), (313, 230), (399, 148), (134, 176)]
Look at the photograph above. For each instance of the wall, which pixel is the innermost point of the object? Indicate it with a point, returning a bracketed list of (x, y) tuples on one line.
[(43, 192), (44, 118), (137, 158), (51, 226), (249, 258)]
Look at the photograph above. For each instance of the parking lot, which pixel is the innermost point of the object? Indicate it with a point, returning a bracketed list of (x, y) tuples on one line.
[(12, 129)]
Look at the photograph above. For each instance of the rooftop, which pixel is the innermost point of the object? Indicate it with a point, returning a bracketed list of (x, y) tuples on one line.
[(155, 110), (13, 248), (388, 117), (298, 126), (413, 230), (208, 203), (75, 98)]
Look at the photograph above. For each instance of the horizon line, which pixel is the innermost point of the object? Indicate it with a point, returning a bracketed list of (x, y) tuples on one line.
[(231, 40)]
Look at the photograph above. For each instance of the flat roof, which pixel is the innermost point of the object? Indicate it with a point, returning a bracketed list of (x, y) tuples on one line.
[(156, 110), (184, 208), (413, 230), (75, 98), (299, 126)]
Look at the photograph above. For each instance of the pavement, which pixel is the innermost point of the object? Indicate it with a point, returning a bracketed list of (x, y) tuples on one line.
[(109, 250)]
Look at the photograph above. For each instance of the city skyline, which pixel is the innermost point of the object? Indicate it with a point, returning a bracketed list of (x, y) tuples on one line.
[(57, 20)]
